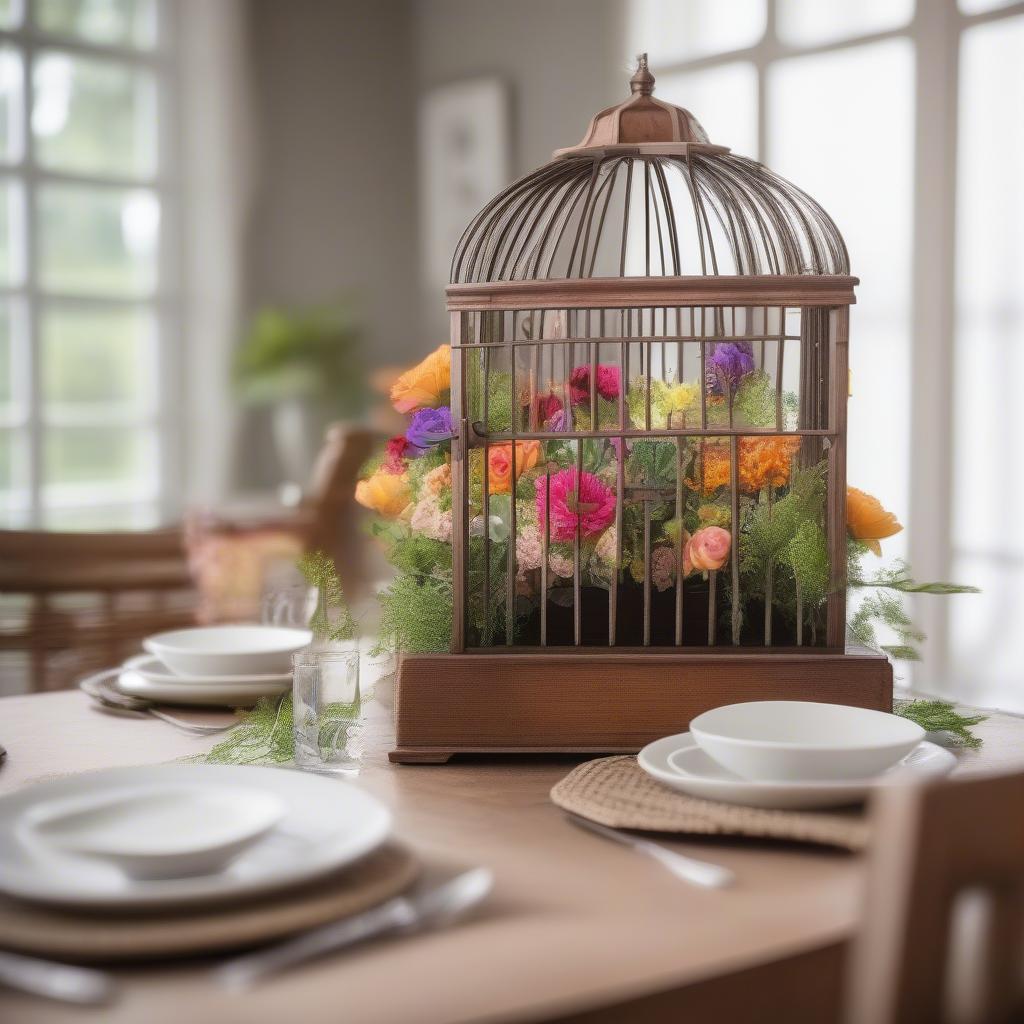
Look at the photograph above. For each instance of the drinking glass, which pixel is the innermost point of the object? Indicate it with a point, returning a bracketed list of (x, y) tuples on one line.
[(327, 707)]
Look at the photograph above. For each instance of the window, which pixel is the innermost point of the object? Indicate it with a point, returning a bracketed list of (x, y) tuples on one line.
[(902, 119), (85, 311)]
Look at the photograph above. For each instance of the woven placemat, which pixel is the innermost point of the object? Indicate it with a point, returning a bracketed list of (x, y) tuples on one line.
[(615, 791), (85, 936)]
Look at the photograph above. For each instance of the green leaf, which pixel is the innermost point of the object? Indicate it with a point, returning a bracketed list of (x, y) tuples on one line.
[(331, 620), (416, 614), (897, 577), (807, 555), (941, 716)]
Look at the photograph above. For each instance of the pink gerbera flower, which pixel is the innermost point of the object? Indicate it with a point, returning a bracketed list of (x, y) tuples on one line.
[(590, 504), (609, 382)]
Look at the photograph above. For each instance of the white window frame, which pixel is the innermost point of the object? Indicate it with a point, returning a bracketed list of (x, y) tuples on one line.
[(935, 30), (27, 298)]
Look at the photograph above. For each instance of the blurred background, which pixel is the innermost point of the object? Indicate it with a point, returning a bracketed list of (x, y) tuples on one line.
[(222, 225)]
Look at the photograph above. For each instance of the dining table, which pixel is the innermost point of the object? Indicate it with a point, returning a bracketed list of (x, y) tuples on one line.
[(577, 928)]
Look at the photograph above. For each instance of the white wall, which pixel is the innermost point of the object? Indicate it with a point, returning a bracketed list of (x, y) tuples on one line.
[(559, 59), (335, 207)]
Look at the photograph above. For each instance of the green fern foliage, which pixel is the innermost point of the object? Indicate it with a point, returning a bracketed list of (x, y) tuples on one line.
[(807, 556), (263, 735), (884, 609), (941, 716), (331, 620), (754, 403), (771, 527), (416, 614)]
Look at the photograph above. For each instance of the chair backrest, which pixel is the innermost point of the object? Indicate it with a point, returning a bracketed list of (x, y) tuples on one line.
[(80, 601), (331, 500), (934, 844)]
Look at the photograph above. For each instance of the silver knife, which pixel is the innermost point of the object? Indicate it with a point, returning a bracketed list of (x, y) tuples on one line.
[(696, 872), (57, 981), (403, 915)]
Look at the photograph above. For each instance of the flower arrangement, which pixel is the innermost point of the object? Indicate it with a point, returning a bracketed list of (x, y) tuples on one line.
[(674, 523)]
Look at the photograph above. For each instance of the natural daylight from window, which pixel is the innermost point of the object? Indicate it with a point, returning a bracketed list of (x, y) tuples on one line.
[(84, 317), (893, 116)]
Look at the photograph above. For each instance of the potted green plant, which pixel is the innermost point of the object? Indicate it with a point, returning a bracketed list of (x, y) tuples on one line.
[(307, 367)]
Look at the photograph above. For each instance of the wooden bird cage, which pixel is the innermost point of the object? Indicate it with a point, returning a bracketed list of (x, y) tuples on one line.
[(648, 338)]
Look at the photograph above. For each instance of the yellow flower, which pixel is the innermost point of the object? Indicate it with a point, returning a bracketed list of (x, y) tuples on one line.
[(385, 493), (867, 521), (425, 386), (678, 399)]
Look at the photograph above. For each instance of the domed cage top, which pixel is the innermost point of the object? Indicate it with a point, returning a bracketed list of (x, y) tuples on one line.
[(649, 379), (617, 206)]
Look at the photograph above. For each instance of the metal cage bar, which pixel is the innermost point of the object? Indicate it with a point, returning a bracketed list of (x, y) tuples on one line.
[(552, 340)]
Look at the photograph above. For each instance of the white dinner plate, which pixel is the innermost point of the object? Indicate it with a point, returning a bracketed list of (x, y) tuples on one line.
[(233, 695), (678, 762), (153, 670), (327, 824)]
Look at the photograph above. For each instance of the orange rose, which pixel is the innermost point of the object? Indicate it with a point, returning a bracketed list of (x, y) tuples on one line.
[(499, 464), (385, 493), (425, 386), (867, 521)]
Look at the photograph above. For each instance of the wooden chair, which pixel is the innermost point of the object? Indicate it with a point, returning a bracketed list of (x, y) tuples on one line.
[(331, 504), (75, 602), (234, 556), (935, 844), (78, 602)]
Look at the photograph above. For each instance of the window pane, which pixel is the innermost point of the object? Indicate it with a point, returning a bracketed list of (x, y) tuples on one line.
[(11, 232), (98, 359), (85, 461), (813, 101), (6, 361), (818, 21), (93, 116), (10, 13), (101, 241), (671, 31), (723, 99), (989, 360), (10, 104), (977, 6), (137, 516), (108, 22), (14, 495)]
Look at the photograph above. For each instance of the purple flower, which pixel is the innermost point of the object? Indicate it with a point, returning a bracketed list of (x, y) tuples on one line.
[(428, 428), (728, 363), (557, 421)]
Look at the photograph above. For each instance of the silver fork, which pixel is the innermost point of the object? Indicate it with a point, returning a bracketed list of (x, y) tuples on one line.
[(689, 869), (102, 691), (63, 982)]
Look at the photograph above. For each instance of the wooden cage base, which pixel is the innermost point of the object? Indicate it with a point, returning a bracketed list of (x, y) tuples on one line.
[(600, 701)]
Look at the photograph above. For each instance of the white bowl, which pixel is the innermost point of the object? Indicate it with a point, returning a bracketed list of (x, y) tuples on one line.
[(228, 650), (168, 832), (793, 740)]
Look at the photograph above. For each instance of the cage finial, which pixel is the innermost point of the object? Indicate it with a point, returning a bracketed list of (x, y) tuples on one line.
[(642, 82)]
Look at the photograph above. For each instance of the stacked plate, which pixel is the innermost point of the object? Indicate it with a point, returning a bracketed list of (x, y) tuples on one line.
[(793, 754), (171, 834), (229, 666)]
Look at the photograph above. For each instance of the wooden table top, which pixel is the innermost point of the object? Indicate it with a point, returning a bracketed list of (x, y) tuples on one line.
[(575, 924)]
